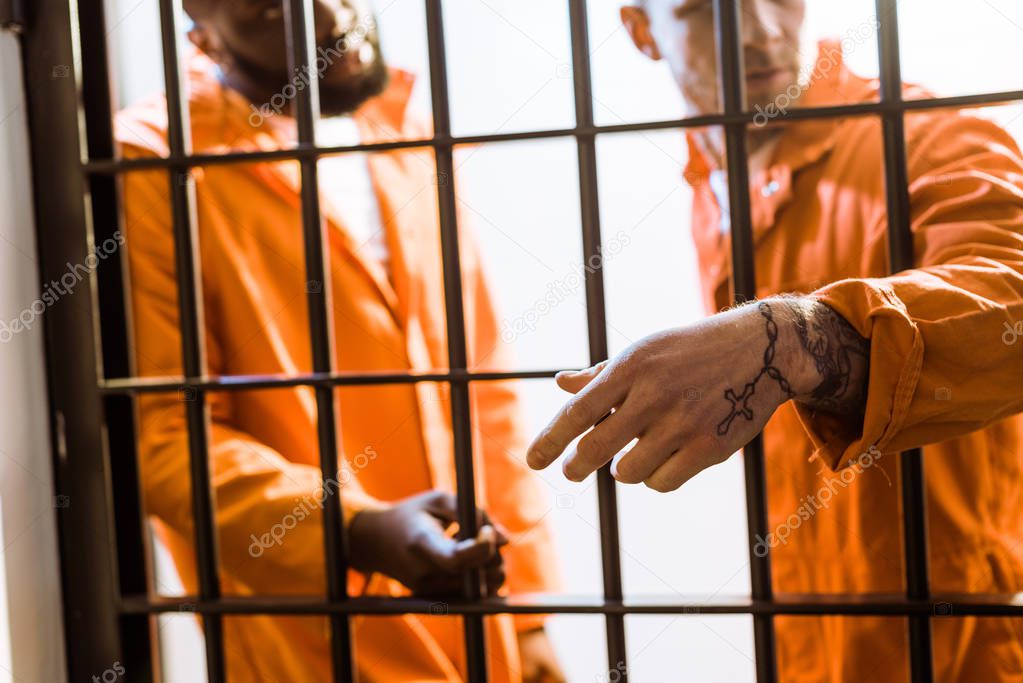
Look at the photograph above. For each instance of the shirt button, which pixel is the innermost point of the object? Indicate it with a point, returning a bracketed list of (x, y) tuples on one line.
[(769, 189)]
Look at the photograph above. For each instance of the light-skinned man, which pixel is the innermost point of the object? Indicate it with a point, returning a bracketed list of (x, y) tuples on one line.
[(851, 367)]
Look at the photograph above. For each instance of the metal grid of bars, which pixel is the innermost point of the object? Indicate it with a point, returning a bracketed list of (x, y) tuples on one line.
[(102, 617)]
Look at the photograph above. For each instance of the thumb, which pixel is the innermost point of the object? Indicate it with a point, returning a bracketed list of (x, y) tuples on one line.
[(573, 381)]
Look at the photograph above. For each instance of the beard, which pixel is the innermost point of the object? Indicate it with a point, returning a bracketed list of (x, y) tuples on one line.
[(339, 94), (344, 98)]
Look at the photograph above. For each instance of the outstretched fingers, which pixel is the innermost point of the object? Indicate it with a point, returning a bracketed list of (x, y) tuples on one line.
[(581, 412)]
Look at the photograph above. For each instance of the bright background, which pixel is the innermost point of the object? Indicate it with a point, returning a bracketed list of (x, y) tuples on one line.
[(31, 625), (509, 63)]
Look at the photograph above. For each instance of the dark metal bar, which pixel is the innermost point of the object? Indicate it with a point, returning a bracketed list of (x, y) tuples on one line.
[(728, 27), (83, 500), (301, 46), (461, 423), (13, 16), (900, 257), (190, 310), (139, 647), (142, 385), (855, 604), (596, 323), (110, 165)]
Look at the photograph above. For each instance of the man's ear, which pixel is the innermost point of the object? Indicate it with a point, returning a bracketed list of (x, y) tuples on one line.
[(637, 23)]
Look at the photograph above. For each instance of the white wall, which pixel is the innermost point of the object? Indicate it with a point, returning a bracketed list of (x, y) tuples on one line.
[(31, 631)]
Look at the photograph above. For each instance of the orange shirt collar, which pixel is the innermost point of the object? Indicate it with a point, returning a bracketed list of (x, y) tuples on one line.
[(805, 141), (224, 119)]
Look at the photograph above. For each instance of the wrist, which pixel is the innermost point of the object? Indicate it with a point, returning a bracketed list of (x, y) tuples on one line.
[(826, 358), (362, 537), (775, 319), (794, 316)]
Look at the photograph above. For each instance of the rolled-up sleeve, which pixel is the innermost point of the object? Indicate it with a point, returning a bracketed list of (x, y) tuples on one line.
[(946, 337)]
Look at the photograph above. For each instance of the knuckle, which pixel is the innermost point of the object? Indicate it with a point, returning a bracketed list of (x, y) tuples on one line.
[(578, 412), (661, 484), (419, 542), (591, 447)]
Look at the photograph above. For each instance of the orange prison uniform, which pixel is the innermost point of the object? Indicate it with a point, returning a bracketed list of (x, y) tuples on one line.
[(943, 375), (396, 439)]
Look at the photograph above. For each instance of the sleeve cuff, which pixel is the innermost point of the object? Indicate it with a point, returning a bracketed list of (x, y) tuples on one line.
[(896, 357)]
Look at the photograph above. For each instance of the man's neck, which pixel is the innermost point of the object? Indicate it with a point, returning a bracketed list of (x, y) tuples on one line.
[(255, 94), (759, 144)]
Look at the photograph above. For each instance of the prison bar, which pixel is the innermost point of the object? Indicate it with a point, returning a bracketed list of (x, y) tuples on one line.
[(182, 195), (596, 324), (108, 166), (951, 605), (83, 506), (728, 25), (140, 649), (300, 38), (454, 315), (900, 257), (127, 387)]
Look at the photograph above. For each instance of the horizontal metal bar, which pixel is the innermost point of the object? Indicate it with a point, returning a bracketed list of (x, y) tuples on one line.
[(108, 166), (128, 386), (888, 604)]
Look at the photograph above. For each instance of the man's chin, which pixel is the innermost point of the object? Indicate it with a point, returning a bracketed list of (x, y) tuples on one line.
[(337, 99)]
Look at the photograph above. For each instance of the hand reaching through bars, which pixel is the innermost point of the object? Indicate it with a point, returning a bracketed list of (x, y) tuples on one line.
[(410, 541), (694, 395)]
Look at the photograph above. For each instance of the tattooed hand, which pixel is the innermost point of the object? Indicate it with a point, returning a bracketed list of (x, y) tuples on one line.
[(694, 395)]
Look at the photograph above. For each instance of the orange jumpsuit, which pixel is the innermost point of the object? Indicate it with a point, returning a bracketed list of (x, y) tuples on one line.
[(946, 373), (263, 452)]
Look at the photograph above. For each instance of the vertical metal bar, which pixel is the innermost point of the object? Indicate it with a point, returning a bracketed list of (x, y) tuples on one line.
[(900, 257), (83, 503), (596, 319), (461, 424), (733, 81), (301, 45), (128, 515), (190, 308)]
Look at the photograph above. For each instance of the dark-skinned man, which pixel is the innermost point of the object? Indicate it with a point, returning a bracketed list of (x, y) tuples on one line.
[(848, 369), (387, 308)]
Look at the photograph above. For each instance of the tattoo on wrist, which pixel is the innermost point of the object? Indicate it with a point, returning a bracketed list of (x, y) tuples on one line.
[(839, 354), (739, 403)]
